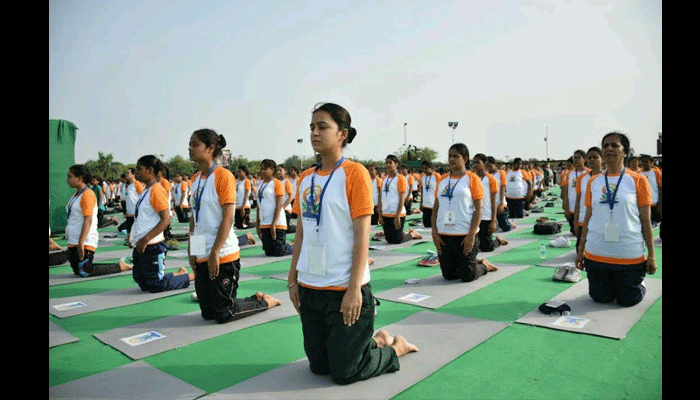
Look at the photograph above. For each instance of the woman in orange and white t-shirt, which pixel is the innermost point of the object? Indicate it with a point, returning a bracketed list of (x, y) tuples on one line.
[(329, 276), (617, 229), (81, 227), (392, 201)]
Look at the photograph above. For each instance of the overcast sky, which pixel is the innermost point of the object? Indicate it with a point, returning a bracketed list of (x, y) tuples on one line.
[(138, 77)]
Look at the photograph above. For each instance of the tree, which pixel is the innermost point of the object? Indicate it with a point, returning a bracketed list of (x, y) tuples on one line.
[(105, 166)]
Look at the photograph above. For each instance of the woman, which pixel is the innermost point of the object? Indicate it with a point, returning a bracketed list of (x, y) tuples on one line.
[(329, 276), (569, 187), (213, 250), (616, 229), (271, 223), (518, 189), (151, 217), (456, 218), (393, 204), (132, 190), (81, 227)]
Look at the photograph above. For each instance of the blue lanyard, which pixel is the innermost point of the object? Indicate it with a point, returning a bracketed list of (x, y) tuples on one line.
[(449, 191), (610, 200), (199, 192), (323, 191), (261, 189), (73, 200), (388, 183), (427, 182), (143, 196)]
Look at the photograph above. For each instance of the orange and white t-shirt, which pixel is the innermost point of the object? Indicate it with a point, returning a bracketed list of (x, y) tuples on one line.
[(243, 187), (455, 214), (376, 189), (153, 200), (133, 191), (569, 183), (516, 184), (632, 193), (267, 204), (490, 186), (428, 183), (348, 195), (390, 195), (654, 178), (79, 206), (216, 190), (180, 194)]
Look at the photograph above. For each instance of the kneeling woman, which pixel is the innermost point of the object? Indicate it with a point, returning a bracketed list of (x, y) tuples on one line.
[(152, 216), (329, 275), (213, 251), (456, 219)]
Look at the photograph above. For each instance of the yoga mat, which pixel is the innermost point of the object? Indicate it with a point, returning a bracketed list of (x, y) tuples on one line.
[(137, 380), (435, 291), (254, 261), (63, 307), (153, 337), (567, 258), (62, 279), (384, 245), (440, 338), (608, 320), (59, 336)]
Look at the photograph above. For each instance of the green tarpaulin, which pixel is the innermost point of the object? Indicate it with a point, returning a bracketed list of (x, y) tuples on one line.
[(61, 157)]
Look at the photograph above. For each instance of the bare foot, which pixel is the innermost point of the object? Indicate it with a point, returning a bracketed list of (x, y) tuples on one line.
[(251, 239), (502, 241), (383, 338), (370, 261), (180, 271), (271, 301), (401, 346), (414, 234), (489, 267), (123, 266)]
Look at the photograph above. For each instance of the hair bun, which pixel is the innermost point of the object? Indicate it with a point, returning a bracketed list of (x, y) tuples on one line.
[(352, 132), (222, 141)]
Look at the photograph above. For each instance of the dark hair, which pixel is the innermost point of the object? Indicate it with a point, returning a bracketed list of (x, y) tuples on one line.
[(491, 159), (243, 168), (267, 163), (211, 139), (463, 151), (81, 171), (341, 117), (624, 140), (426, 163), (393, 158), (481, 157), (596, 149), (581, 152), (151, 161)]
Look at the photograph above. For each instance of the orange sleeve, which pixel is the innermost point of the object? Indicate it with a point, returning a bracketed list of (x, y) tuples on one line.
[(246, 184), (159, 198), (643, 190), (502, 174), (588, 195), (288, 186), (493, 185), (578, 184), (475, 186), (139, 187), (87, 202), (225, 186), (401, 184), (358, 187), (279, 188), (165, 183)]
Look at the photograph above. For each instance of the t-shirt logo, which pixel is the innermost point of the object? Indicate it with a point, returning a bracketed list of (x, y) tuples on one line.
[(309, 209)]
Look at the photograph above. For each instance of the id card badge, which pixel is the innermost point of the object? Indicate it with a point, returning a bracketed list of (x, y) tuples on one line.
[(449, 218), (318, 260), (198, 245), (612, 232)]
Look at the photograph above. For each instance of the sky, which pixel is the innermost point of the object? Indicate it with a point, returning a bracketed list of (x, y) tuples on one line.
[(138, 77)]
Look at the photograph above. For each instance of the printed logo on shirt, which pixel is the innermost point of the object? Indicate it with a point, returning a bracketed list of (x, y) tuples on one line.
[(309, 209), (604, 193)]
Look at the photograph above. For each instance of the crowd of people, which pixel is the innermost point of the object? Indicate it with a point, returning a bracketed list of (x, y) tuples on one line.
[(610, 202)]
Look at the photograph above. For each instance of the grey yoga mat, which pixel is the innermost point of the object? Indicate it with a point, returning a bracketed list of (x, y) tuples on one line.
[(435, 291), (137, 380), (154, 337), (586, 316), (63, 307), (59, 336), (439, 337), (62, 279)]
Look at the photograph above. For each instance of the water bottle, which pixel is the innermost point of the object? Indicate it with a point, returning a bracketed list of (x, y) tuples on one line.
[(543, 251)]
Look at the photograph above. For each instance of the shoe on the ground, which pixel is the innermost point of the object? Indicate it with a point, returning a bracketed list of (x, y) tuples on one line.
[(429, 260), (572, 275), (194, 297), (560, 273), (561, 241)]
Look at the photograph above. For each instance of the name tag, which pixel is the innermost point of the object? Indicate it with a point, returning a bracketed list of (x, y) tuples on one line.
[(318, 259), (198, 245)]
